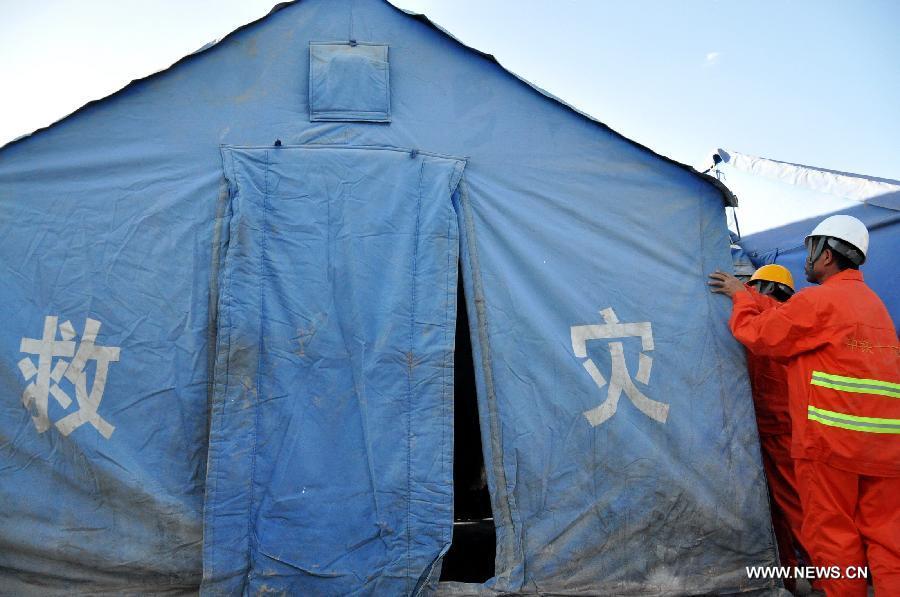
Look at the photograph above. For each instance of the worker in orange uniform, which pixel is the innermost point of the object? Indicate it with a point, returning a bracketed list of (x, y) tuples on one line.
[(844, 392), (771, 285)]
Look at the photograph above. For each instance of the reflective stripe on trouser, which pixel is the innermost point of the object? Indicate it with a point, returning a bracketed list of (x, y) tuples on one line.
[(855, 385), (853, 422)]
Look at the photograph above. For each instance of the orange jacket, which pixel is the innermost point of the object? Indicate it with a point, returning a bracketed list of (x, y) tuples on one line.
[(843, 370), (769, 382)]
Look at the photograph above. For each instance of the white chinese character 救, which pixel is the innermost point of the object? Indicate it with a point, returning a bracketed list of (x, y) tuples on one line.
[(52, 367)]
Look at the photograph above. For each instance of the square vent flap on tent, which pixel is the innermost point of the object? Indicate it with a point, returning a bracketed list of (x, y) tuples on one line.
[(349, 82)]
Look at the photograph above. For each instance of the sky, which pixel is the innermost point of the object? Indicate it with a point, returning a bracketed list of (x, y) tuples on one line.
[(810, 82)]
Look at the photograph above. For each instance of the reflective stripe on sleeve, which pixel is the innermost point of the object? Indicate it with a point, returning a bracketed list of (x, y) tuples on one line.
[(855, 385), (853, 422)]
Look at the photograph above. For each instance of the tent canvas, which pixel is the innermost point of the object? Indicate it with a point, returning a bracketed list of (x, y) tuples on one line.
[(226, 348)]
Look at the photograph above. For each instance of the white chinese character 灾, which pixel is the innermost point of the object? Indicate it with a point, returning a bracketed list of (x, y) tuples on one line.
[(620, 379)]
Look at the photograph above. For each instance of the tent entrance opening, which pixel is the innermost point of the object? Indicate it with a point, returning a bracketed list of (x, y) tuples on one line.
[(471, 556)]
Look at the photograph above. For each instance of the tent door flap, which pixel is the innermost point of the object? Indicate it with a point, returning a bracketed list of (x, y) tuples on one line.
[(331, 435)]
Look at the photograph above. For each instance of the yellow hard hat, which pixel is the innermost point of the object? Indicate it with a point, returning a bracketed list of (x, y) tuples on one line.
[(774, 273)]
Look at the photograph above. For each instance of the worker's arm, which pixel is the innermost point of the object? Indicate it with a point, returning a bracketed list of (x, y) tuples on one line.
[(764, 302), (767, 327), (779, 329)]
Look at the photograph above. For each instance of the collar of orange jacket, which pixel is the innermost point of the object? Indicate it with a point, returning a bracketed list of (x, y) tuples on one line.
[(847, 274)]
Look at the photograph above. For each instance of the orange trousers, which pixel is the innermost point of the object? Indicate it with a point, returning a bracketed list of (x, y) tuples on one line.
[(787, 515), (851, 520)]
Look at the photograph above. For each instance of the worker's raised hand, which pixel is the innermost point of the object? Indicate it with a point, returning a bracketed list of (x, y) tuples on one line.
[(722, 283)]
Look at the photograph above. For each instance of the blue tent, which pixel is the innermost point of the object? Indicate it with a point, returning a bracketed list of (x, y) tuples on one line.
[(227, 336), (784, 245)]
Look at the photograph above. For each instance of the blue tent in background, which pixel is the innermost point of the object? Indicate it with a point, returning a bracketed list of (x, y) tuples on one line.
[(784, 245), (226, 347)]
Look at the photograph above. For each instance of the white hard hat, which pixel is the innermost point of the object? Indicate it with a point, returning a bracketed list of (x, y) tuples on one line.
[(848, 229)]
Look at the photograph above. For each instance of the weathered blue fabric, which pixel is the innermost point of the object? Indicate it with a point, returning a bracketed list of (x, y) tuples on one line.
[(330, 460), (219, 299), (741, 262), (784, 245), (633, 504)]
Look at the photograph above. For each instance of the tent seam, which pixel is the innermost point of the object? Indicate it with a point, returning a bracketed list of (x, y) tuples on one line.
[(487, 370), (213, 300), (447, 362), (223, 347), (209, 530), (410, 362), (259, 367)]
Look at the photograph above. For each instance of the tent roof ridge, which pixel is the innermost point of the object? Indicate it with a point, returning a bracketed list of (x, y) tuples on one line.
[(727, 196), (207, 46)]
